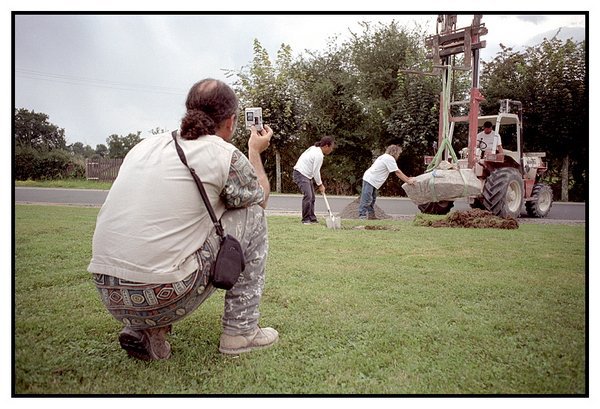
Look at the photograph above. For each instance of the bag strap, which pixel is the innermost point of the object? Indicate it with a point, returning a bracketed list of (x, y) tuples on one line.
[(211, 212)]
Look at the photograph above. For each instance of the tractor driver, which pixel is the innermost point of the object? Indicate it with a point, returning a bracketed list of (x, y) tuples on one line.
[(487, 138)]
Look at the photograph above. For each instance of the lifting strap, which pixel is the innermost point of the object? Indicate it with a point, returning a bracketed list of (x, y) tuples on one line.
[(445, 144)]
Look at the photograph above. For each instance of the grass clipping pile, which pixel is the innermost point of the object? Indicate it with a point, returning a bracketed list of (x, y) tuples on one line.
[(475, 218)]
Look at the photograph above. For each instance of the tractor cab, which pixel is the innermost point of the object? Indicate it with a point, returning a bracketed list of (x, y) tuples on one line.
[(508, 126)]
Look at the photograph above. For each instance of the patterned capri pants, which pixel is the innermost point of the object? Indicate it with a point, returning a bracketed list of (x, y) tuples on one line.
[(142, 305)]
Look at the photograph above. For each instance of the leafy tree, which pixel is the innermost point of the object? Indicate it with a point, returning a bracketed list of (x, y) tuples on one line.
[(32, 129), (119, 146), (398, 108), (88, 151), (40, 150), (25, 162), (355, 92), (550, 81), (379, 55), (78, 149), (101, 150), (328, 91), (414, 120), (54, 164), (414, 124), (273, 88)]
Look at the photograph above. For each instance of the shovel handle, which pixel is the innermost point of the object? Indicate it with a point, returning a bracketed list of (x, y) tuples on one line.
[(327, 204)]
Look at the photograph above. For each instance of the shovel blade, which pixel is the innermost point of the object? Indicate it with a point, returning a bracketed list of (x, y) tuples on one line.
[(333, 222)]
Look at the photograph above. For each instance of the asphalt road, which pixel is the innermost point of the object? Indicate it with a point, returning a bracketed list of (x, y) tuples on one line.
[(278, 203)]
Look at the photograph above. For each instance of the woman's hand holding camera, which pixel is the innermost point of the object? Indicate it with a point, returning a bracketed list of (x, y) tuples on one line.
[(259, 140)]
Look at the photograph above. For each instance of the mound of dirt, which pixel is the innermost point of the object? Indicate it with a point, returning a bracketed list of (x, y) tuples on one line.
[(474, 218), (351, 211)]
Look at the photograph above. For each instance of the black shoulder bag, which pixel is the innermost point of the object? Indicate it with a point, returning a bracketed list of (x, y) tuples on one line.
[(230, 259)]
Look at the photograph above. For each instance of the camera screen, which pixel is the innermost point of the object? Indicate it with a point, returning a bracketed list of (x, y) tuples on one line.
[(250, 116)]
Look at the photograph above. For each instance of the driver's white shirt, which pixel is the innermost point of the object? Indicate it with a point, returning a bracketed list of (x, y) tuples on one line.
[(491, 141)]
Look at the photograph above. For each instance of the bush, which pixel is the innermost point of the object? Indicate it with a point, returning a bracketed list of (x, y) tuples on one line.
[(54, 164), (26, 163), (76, 169)]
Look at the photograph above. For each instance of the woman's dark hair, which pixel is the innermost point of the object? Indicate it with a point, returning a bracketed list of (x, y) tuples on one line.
[(325, 141), (208, 103)]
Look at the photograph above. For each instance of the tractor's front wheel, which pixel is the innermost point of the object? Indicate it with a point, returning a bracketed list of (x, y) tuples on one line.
[(541, 202), (503, 192), (442, 207)]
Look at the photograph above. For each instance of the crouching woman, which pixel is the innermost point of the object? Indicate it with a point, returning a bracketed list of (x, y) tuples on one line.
[(154, 242)]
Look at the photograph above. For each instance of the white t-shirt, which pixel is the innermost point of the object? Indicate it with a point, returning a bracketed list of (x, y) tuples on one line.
[(491, 141), (153, 219), (310, 162), (380, 170)]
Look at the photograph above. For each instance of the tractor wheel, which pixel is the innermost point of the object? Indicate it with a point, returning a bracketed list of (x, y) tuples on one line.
[(503, 192), (441, 207), (542, 201)]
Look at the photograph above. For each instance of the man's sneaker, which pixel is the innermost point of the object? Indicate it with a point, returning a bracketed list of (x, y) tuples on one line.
[(307, 223), (236, 344), (147, 345)]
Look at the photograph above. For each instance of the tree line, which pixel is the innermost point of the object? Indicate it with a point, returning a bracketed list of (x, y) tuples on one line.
[(361, 92), (41, 150)]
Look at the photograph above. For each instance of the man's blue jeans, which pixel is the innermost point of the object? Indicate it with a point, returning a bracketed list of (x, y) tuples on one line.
[(308, 199), (368, 195)]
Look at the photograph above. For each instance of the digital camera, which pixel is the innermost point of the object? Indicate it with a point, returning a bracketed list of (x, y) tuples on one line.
[(254, 117)]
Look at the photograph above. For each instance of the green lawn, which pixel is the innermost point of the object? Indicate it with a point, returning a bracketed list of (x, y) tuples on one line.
[(401, 310), (64, 183)]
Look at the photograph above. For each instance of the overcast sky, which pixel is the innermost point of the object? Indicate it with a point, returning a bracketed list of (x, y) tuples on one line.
[(97, 74)]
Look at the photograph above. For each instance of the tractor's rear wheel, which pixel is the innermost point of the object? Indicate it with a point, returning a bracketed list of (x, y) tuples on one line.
[(541, 202), (441, 207), (503, 192)]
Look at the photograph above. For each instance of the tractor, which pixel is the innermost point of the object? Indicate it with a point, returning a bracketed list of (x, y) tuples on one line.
[(508, 180)]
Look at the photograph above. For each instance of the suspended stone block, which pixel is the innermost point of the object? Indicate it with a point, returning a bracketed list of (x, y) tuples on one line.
[(445, 182)]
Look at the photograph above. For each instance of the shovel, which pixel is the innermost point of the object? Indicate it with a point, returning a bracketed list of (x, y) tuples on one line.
[(332, 221)]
